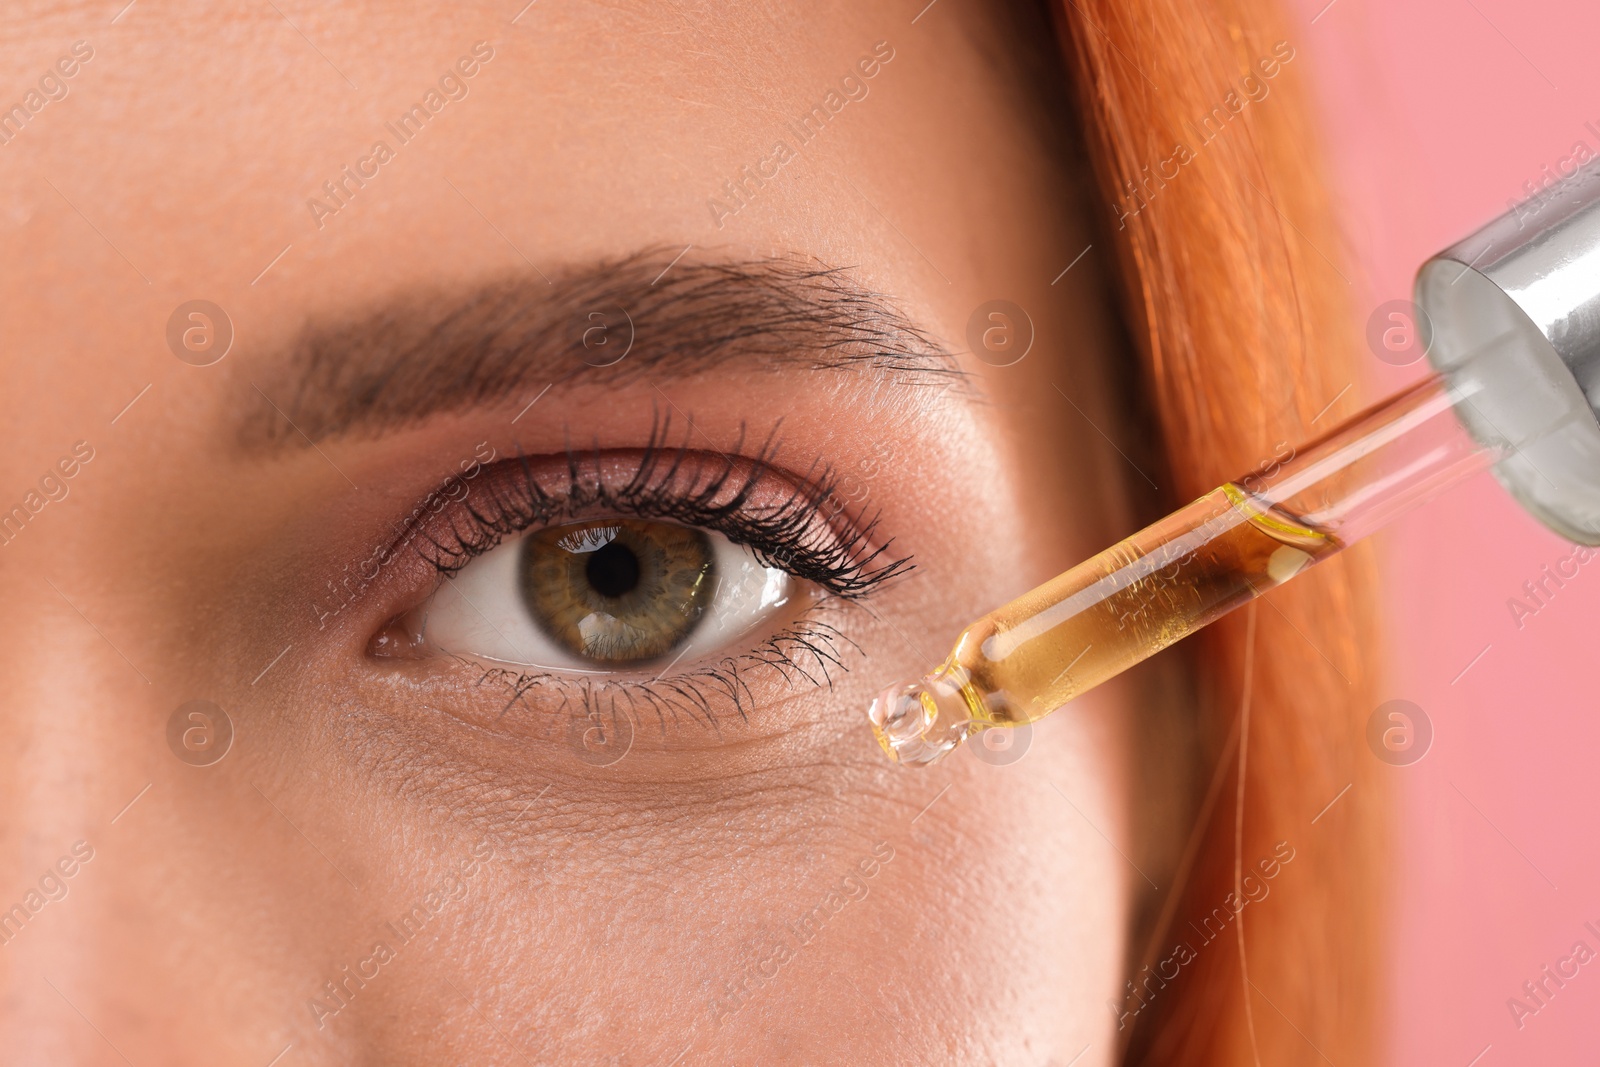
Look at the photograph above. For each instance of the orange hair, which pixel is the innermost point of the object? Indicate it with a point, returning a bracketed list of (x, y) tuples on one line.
[(1244, 330)]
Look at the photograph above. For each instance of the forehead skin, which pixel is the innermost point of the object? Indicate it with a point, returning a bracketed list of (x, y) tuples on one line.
[(617, 909)]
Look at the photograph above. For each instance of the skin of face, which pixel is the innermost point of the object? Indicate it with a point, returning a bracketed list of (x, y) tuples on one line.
[(765, 889)]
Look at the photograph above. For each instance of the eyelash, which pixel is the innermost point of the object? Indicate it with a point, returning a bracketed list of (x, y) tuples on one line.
[(796, 536), (784, 653)]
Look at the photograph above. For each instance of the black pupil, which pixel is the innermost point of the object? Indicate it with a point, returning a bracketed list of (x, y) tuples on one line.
[(613, 570)]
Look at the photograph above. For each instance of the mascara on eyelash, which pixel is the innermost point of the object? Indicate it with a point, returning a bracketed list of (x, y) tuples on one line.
[(795, 535)]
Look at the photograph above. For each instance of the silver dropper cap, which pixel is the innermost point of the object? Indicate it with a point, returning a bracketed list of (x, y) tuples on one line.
[(1511, 319)]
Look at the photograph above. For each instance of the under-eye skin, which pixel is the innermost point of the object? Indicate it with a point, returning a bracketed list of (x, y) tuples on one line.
[(661, 582)]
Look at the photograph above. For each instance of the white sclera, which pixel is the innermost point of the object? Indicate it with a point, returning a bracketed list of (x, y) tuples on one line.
[(480, 612)]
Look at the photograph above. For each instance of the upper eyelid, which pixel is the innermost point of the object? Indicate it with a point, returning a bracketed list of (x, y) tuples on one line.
[(850, 561)]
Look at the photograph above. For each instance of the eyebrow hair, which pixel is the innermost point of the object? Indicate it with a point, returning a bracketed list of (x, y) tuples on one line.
[(419, 353)]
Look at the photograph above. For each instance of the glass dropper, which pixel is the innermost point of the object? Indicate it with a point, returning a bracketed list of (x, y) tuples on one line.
[(1509, 319), (1026, 659)]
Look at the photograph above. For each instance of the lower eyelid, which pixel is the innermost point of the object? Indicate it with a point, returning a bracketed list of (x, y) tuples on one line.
[(809, 652)]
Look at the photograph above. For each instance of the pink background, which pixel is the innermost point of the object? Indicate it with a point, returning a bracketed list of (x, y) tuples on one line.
[(1438, 111)]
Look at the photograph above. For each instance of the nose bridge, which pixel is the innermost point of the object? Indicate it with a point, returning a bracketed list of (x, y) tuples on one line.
[(75, 764)]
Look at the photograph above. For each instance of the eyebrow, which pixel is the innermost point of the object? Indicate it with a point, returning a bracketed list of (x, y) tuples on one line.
[(420, 353)]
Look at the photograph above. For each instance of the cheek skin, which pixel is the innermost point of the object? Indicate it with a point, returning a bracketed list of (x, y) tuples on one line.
[(611, 890)]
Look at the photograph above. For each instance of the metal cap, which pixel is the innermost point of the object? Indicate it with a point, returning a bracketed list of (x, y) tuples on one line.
[(1511, 318)]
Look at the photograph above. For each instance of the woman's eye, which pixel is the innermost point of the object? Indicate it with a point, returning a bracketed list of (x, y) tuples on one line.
[(601, 596)]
